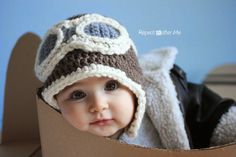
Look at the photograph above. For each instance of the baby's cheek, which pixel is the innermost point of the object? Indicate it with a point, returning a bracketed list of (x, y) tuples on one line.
[(127, 110), (78, 120), (124, 117), (79, 123)]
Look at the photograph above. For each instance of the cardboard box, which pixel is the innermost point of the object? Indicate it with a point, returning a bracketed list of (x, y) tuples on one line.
[(60, 139), (20, 132)]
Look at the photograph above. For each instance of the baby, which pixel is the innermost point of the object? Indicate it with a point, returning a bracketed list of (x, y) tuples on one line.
[(99, 105), (90, 72)]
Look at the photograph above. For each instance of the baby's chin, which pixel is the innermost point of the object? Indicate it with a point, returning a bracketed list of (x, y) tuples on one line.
[(103, 134), (110, 133)]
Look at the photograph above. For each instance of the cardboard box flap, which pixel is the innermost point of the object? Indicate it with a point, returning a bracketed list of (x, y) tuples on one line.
[(60, 139), (20, 132), (20, 121)]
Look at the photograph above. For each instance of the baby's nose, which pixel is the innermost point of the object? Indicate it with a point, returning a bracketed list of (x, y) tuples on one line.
[(98, 103)]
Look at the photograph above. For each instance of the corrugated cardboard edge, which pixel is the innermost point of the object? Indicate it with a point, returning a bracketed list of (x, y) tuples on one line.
[(60, 139)]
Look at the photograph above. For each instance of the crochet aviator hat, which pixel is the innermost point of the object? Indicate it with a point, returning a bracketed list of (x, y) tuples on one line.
[(89, 45)]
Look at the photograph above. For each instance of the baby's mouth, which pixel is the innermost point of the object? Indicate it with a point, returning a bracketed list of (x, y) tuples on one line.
[(102, 122)]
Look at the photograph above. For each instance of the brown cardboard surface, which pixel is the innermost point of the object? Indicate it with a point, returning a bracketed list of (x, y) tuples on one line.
[(60, 139), (222, 80), (20, 136), (19, 149), (20, 114)]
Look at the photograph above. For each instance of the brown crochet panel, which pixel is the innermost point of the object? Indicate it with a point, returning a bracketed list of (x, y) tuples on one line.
[(78, 59)]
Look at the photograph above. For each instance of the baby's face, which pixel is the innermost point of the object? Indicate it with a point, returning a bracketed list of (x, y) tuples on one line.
[(101, 106)]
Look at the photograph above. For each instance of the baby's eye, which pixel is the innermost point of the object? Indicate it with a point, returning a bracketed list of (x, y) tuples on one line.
[(78, 95), (111, 85)]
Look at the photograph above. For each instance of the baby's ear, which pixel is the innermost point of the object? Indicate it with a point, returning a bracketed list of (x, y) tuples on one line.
[(156, 59)]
